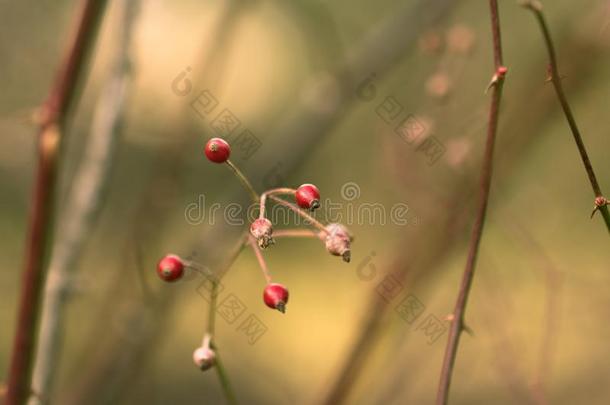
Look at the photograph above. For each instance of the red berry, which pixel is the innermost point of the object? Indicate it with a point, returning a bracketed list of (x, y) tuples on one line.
[(217, 150), (170, 268), (276, 296), (308, 196)]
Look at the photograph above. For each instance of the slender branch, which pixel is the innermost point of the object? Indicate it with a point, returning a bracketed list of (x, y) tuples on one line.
[(300, 212), (223, 377), (275, 191), (260, 258), (295, 233), (555, 78), (55, 111), (82, 206), (244, 181), (457, 325)]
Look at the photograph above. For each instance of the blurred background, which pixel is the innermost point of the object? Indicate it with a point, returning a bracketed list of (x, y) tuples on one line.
[(381, 105)]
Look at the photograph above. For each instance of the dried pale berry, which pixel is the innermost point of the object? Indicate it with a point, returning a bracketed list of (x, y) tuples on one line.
[(308, 197), (204, 358), (276, 296), (170, 268), (217, 150), (338, 241), (262, 229)]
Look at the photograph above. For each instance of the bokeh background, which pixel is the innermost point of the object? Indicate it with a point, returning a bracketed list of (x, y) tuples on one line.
[(295, 75)]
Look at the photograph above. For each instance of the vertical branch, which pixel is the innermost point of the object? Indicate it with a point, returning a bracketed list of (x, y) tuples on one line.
[(457, 325), (82, 205), (555, 78), (223, 377), (54, 115)]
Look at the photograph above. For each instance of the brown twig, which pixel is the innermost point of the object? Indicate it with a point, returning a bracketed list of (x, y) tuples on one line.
[(54, 115), (457, 325), (555, 78)]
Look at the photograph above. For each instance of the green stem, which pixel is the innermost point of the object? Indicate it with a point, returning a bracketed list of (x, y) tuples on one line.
[(244, 181), (220, 370)]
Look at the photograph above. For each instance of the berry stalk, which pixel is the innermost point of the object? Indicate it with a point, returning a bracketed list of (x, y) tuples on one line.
[(275, 191), (300, 212), (260, 258), (244, 181)]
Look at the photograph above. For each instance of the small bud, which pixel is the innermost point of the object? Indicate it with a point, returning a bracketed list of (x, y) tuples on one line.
[(276, 296), (601, 201), (170, 268), (204, 358), (262, 229), (338, 241)]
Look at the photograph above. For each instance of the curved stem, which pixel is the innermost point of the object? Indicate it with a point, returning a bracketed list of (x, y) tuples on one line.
[(244, 181), (555, 78), (457, 325), (300, 212), (275, 191)]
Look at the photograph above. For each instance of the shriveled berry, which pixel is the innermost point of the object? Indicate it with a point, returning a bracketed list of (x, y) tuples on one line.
[(262, 229), (170, 268), (217, 150), (308, 197), (276, 296), (338, 241), (204, 358)]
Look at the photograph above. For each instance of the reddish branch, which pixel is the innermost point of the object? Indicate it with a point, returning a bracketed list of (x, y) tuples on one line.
[(457, 325), (54, 114), (600, 201)]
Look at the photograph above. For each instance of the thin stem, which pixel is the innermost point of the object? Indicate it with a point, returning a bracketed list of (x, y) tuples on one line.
[(244, 181), (224, 379), (555, 78), (295, 233), (61, 99), (300, 212), (457, 325), (220, 370), (260, 258), (275, 191)]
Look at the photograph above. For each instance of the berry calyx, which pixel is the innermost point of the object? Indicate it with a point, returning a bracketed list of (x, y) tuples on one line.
[(308, 197), (204, 358), (338, 241), (170, 268), (276, 296), (262, 229), (217, 150)]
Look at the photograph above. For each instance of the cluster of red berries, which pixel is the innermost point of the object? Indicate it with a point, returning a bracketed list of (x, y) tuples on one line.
[(335, 237)]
